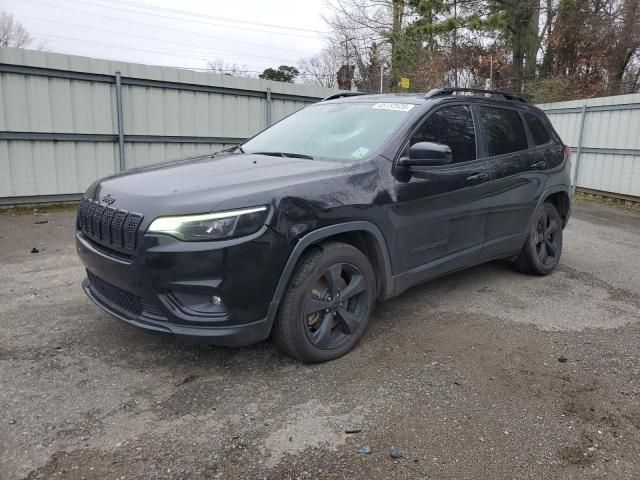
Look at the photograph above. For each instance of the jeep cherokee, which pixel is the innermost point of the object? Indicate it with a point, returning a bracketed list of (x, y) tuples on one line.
[(297, 232)]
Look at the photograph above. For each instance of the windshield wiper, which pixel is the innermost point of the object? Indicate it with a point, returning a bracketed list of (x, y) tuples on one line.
[(284, 154), (235, 148)]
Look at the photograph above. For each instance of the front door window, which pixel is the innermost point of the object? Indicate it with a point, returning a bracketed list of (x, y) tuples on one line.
[(452, 126)]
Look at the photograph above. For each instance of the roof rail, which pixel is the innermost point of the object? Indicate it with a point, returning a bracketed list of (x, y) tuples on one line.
[(439, 92), (342, 95)]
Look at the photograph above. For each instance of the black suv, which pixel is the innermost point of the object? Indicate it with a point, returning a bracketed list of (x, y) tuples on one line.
[(296, 233)]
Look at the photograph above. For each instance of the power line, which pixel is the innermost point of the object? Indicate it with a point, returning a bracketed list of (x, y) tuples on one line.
[(191, 46), (303, 74), (173, 53), (164, 28), (173, 18), (200, 15)]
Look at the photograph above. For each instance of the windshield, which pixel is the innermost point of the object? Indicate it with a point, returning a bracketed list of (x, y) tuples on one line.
[(342, 131)]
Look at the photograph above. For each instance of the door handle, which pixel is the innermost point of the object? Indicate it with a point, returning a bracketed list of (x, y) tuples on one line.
[(478, 177), (539, 165)]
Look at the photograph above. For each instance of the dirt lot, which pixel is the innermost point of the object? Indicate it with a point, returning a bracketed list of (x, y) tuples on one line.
[(462, 375)]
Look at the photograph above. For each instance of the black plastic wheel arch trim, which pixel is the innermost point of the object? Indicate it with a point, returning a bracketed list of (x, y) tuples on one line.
[(546, 194), (321, 234)]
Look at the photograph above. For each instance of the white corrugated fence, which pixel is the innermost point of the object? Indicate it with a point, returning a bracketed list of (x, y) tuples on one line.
[(604, 134), (60, 128), (67, 120)]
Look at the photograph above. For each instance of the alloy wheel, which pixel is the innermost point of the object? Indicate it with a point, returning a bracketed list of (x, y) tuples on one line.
[(335, 308), (546, 240)]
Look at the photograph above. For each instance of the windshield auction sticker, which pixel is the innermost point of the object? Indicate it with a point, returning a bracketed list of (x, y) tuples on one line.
[(399, 107), (360, 152)]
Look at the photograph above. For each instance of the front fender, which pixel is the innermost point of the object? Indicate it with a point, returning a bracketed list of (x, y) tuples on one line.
[(321, 234)]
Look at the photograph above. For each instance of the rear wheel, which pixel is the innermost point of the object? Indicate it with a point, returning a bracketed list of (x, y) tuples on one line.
[(327, 305), (542, 249)]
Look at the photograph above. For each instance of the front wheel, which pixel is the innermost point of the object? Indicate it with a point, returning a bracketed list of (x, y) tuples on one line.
[(542, 249), (327, 305)]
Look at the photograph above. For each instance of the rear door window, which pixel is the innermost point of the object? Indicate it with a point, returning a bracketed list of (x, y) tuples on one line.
[(452, 126), (503, 131), (538, 130)]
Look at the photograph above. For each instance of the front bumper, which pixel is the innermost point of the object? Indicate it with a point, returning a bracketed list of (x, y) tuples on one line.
[(231, 336), (167, 285)]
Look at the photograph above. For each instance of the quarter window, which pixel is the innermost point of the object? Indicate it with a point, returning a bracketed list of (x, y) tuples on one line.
[(503, 130), (538, 130), (452, 126)]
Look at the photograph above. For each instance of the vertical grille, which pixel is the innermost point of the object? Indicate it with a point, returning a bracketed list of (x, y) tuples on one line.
[(130, 230), (88, 218), (105, 224), (108, 226), (82, 211), (116, 227), (95, 220)]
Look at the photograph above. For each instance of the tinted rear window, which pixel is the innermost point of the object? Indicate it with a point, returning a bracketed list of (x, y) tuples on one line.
[(538, 130), (503, 129)]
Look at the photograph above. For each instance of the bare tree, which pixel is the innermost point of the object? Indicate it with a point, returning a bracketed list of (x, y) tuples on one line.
[(224, 68), (624, 45), (12, 33), (356, 25), (322, 69)]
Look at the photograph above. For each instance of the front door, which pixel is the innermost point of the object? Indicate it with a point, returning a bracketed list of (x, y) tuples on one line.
[(440, 211)]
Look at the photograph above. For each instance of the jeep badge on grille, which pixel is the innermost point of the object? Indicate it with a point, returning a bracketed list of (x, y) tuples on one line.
[(108, 199)]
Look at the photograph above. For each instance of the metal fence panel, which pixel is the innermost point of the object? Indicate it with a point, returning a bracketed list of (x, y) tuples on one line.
[(59, 122), (32, 167), (59, 117), (148, 153), (604, 134)]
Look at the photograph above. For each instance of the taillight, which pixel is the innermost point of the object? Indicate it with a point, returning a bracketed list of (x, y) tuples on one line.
[(567, 159), (567, 152)]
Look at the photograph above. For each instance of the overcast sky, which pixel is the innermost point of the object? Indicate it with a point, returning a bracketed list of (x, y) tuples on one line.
[(181, 33)]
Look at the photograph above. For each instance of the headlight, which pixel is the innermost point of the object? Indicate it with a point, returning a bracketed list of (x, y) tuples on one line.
[(211, 226)]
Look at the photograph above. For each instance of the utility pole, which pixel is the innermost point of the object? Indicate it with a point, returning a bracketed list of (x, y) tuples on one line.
[(346, 51), (381, 76), (491, 73), (455, 43)]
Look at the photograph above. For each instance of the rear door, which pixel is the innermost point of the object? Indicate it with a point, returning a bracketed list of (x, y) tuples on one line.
[(518, 178), (440, 212), (547, 147)]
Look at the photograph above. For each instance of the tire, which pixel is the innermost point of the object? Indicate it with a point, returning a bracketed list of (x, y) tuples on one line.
[(542, 249), (315, 322)]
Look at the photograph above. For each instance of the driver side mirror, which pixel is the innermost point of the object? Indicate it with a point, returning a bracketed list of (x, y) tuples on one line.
[(427, 154)]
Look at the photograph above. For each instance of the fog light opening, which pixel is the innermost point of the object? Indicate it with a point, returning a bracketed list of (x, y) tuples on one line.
[(216, 300)]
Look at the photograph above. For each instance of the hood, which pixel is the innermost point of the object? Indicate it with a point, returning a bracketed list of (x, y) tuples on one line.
[(202, 183)]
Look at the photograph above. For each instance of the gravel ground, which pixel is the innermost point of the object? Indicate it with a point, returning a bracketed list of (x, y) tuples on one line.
[(461, 375)]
